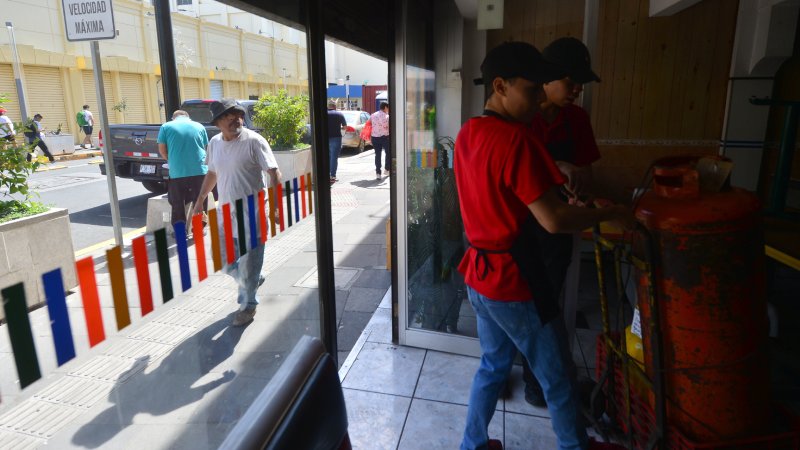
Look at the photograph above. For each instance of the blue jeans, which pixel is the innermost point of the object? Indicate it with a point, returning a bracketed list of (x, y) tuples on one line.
[(334, 148), (246, 270), (504, 327)]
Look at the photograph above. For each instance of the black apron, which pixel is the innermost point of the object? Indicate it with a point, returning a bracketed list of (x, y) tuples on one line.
[(527, 255), (556, 248)]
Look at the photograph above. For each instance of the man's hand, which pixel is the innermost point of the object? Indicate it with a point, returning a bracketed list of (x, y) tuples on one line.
[(578, 178), (198, 206)]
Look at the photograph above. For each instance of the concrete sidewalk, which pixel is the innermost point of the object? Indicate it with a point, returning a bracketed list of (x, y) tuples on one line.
[(183, 365)]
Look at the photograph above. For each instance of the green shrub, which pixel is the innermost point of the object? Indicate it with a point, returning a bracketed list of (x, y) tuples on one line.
[(282, 118)]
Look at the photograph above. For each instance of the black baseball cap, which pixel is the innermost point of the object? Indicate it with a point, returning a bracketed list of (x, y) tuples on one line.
[(219, 108), (517, 59), (573, 57)]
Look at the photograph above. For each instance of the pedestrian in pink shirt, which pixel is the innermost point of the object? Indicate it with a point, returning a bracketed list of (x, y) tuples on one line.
[(380, 138)]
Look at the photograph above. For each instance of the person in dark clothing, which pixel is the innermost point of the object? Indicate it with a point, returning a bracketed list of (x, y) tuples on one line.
[(35, 136), (566, 131), (336, 123)]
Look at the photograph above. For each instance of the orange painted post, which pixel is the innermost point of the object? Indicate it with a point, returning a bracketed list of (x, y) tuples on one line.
[(116, 273), (216, 253), (142, 274), (199, 246), (91, 301), (262, 215), (228, 225)]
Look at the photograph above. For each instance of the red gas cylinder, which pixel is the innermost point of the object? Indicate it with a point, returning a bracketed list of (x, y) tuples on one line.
[(709, 284)]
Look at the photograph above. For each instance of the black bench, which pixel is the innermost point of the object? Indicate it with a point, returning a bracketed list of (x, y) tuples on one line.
[(302, 407)]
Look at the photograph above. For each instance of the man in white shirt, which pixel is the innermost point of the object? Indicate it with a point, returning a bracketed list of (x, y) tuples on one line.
[(7, 132), (237, 161)]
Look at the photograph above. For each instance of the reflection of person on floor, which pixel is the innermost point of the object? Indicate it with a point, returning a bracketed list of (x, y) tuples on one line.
[(566, 132), (237, 161), (34, 133), (506, 183), (182, 142), (170, 384)]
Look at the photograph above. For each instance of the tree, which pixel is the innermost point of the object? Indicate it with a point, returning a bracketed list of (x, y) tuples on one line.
[(282, 118)]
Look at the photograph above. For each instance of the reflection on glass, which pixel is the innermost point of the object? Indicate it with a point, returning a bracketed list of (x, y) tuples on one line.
[(436, 291)]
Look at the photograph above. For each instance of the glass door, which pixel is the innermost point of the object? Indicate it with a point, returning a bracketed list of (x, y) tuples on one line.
[(434, 311)]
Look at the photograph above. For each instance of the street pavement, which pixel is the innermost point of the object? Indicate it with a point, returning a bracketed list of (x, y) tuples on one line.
[(183, 365)]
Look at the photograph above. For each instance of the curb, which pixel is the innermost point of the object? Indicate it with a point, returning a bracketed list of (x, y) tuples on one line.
[(82, 155), (49, 168)]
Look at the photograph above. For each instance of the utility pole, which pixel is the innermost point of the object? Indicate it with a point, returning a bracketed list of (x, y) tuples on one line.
[(23, 110)]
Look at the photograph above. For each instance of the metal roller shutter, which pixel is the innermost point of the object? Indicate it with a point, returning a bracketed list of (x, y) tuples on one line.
[(216, 89), (90, 93), (191, 88), (234, 90), (46, 95), (253, 90), (8, 87), (132, 89)]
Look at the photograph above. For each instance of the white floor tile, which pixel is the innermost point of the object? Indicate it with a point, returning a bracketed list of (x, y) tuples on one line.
[(436, 425), (446, 377), (528, 432), (389, 369), (375, 420)]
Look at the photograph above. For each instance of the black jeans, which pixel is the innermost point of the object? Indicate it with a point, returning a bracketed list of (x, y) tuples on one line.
[(182, 191), (381, 143), (39, 143), (557, 253)]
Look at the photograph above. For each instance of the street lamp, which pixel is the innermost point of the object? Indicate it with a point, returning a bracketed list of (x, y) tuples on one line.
[(17, 73), (284, 78)]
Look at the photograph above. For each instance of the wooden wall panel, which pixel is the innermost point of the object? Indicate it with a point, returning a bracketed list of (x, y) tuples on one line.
[(538, 21), (664, 79)]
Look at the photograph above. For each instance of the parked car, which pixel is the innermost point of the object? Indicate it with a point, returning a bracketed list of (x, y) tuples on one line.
[(352, 135), (135, 147)]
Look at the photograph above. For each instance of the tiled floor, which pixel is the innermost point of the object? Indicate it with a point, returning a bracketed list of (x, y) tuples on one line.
[(408, 398)]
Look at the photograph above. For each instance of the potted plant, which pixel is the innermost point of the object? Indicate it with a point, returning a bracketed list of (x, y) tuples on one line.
[(282, 119)]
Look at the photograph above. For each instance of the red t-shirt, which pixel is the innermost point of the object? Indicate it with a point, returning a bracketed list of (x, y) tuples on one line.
[(571, 123), (500, 169)]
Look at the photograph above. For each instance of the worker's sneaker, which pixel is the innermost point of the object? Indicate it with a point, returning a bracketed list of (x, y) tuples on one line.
[(387, 173), (244, 317), (534, 396), (494, 444), (594, 445)]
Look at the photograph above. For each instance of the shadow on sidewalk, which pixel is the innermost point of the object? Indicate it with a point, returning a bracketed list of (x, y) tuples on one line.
[(172, 385), (370, 183)]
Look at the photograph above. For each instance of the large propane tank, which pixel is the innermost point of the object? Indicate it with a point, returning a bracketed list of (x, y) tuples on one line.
[(709, 282)]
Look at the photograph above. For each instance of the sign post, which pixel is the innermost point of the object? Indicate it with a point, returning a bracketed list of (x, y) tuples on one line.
[(92, 20)]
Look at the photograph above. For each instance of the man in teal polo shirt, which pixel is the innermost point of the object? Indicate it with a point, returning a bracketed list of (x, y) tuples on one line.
[(182, 142)]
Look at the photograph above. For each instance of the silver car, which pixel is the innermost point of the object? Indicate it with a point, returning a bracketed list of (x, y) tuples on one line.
[(351, 137)]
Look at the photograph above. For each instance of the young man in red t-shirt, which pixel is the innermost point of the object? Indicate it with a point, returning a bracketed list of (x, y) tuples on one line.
[(566, 132), (505, 180)]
